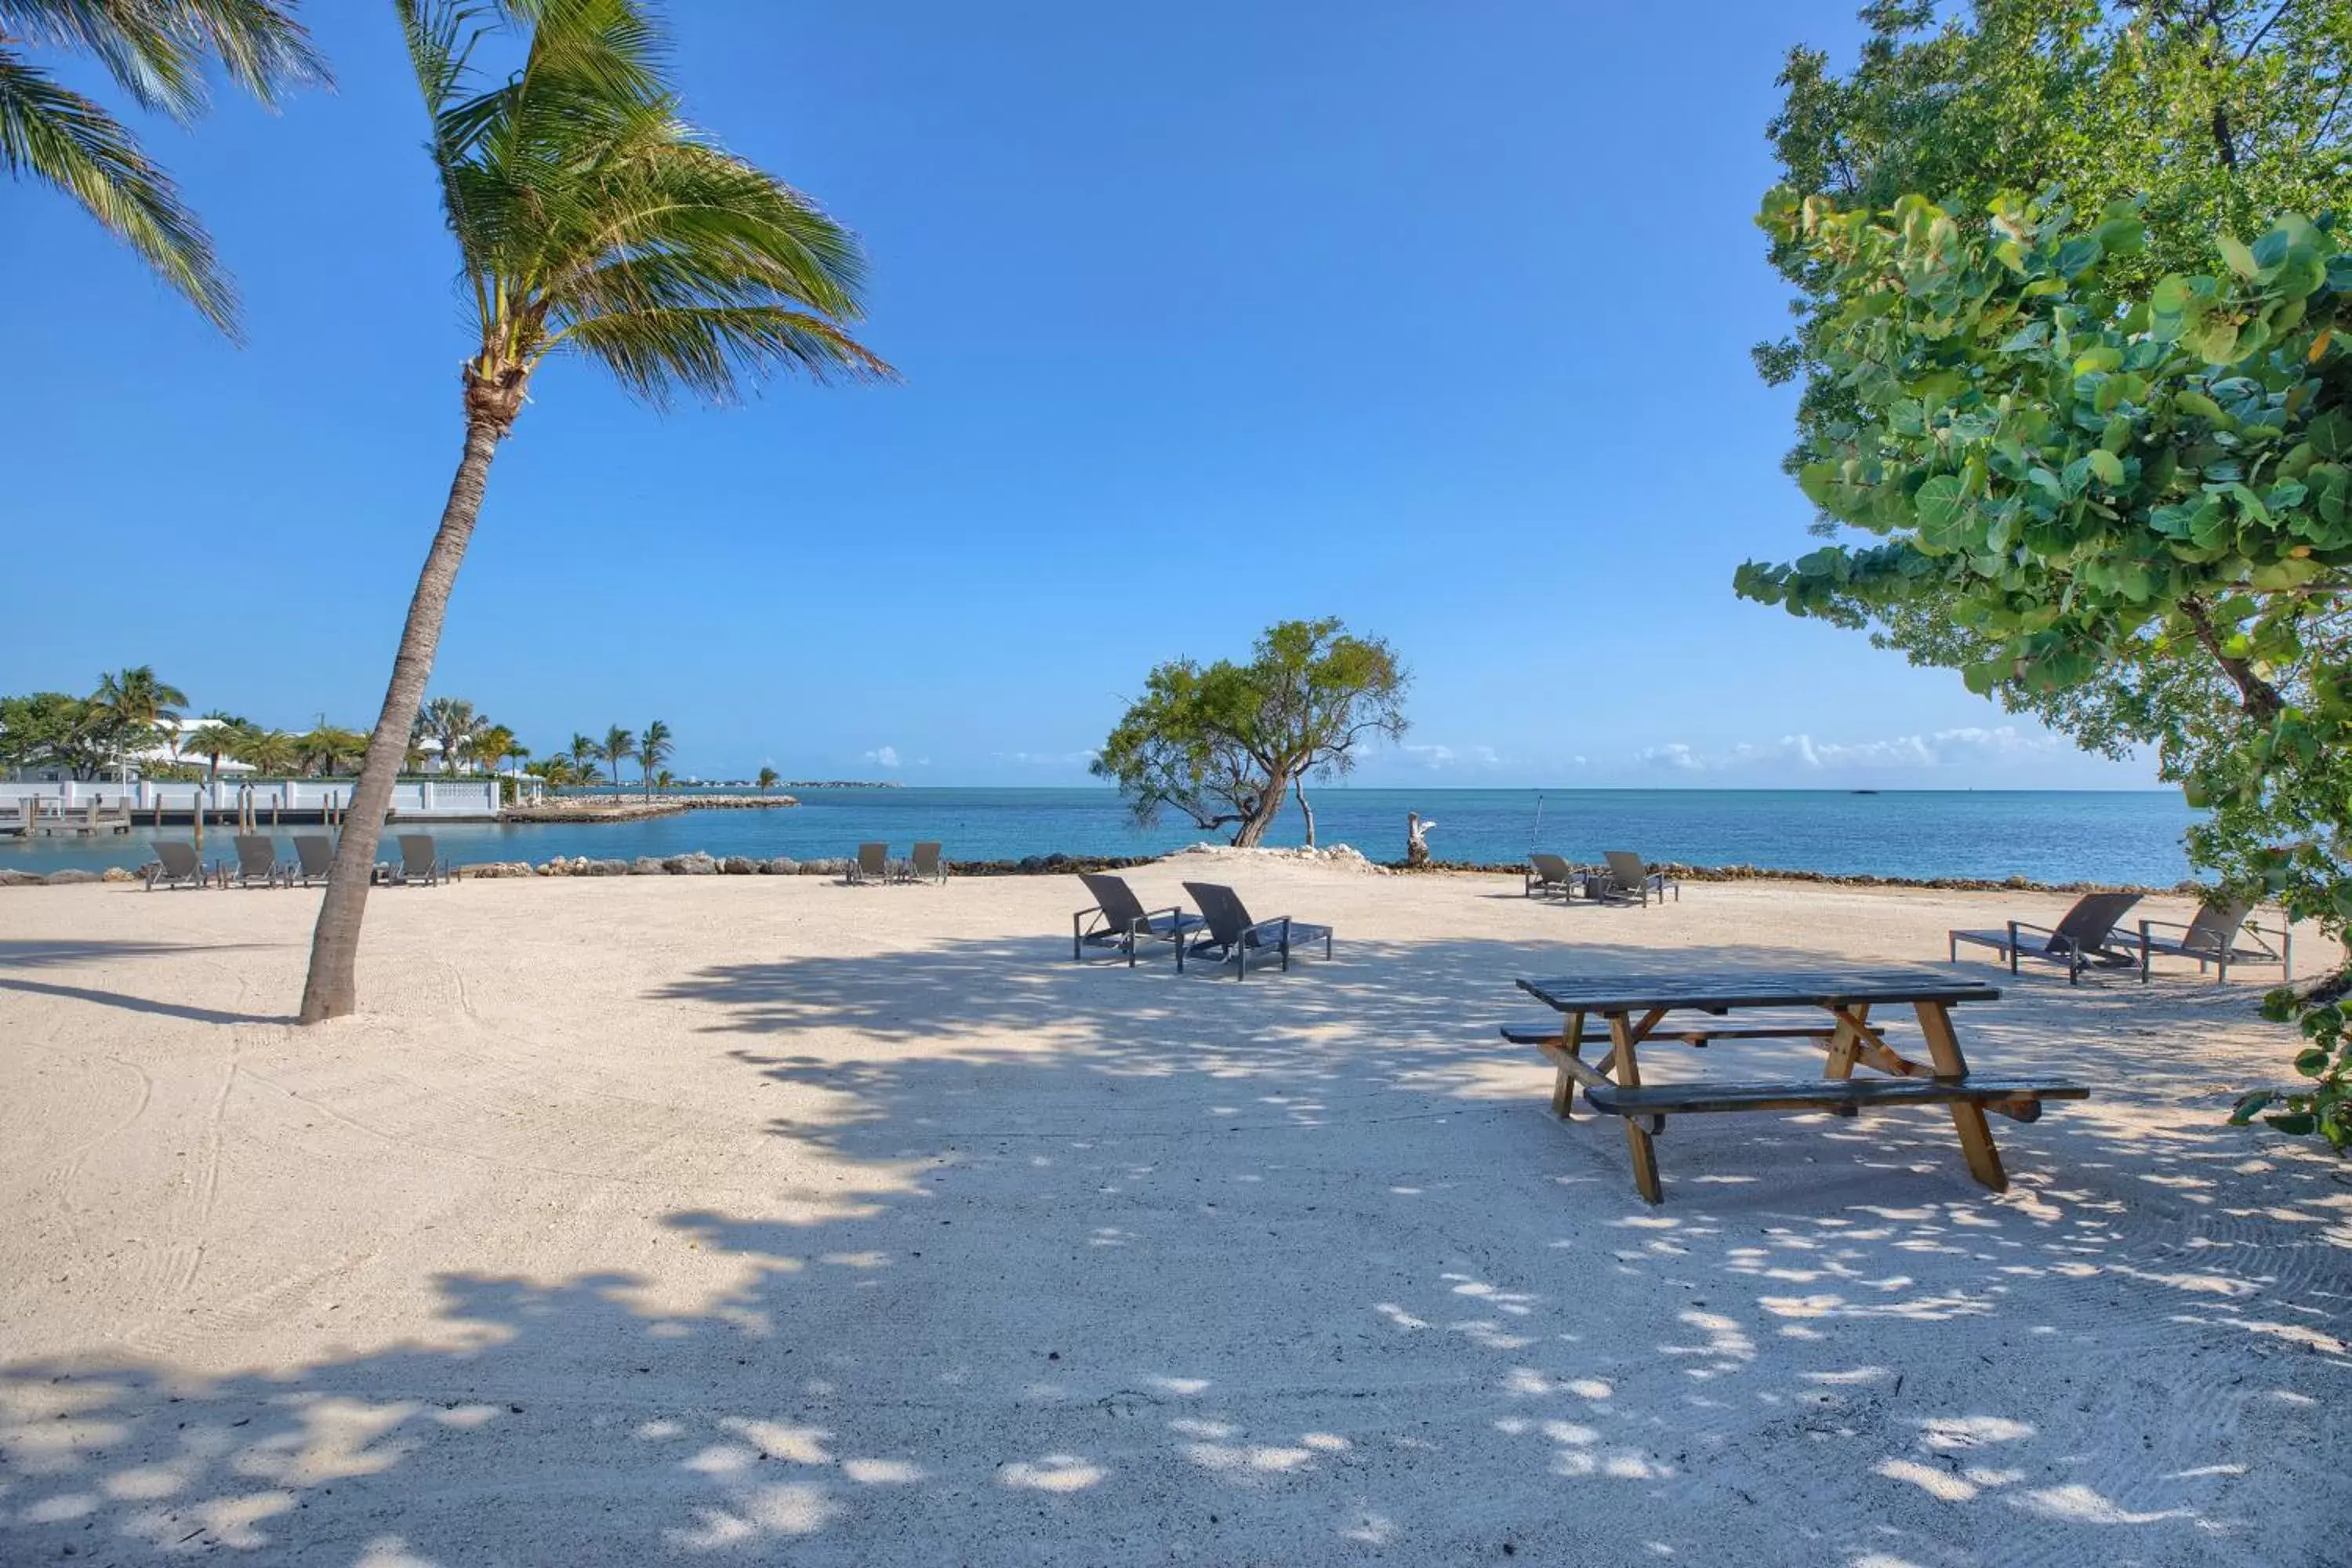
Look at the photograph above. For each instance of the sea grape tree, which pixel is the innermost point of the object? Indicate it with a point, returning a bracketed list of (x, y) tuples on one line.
[(2101, 487), (1224, 743)]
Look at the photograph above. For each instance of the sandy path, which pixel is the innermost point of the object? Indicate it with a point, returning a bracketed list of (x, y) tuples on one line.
[(758, 1217)]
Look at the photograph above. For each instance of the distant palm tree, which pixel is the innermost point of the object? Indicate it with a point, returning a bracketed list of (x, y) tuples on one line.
[(653, 751), (584, 753), (134, 703), (451, 721), (327, 744), (620, 745), (157, 51), (216, 736), (767, 779), (589, 219), (272, 754), (662, 780)]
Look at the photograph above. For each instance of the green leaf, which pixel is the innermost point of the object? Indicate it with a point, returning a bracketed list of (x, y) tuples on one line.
[(2032, 335), (2311, 1062), (2301, 1123), (2077, 256), (2108, 467), (2301, 275), (1942, 502), (2240, 257), (2270, 249)]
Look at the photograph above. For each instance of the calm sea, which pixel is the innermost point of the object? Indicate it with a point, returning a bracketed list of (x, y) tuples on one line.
[(2046, 836)]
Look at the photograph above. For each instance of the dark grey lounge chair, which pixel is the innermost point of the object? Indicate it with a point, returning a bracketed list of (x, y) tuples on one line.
[(1629, 877), (1233, 936), (256, 861), (1552, 874), (177, 864), (419, 865), (928, 865), (872, 865), (2221, 935), (2084, 940), (1119, 922), (314, 857)]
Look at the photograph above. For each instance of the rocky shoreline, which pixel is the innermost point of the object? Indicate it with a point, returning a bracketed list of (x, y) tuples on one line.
[(699, 863), (587, 808)]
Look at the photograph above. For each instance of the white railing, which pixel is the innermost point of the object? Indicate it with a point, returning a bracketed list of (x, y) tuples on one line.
[(429, 797)]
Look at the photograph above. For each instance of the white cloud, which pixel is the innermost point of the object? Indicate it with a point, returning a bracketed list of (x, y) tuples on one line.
[(1048, 759), (1437, 757), (883, 756), (1801, 753)]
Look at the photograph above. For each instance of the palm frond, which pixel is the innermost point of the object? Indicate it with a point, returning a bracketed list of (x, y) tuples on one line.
[(157, 52), (709, 350), (66, 140)]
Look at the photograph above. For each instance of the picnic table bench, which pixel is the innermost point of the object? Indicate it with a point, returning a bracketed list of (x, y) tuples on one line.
[(1635, 1010)]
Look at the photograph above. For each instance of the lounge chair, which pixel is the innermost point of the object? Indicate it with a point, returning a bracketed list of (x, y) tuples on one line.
[(2080, 940), (929, 865), (256, 861), (314, 857), (873, 865), (1119, 920), (2213, 938), (419, 864), (1234, 937), (177, 865), (1552, 874), (1629, 877)]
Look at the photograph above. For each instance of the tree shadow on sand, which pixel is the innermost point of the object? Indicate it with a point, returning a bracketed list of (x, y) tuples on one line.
[(1093, 1265)]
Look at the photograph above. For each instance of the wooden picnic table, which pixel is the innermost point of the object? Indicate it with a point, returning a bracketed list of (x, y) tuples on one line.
[(1637, 1009)]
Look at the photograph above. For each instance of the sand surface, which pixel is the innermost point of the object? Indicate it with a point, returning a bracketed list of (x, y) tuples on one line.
[(762, 1219)]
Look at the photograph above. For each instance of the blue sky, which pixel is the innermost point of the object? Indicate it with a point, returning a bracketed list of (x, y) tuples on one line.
[(1435, 318)]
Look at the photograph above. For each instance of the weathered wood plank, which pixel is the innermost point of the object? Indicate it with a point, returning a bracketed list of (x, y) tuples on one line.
[(1637, 1138), (1639, 993), (1551, 1034), (1843, 1096)]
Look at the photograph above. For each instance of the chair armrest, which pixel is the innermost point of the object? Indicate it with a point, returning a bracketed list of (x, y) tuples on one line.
[(1281, 920), (2147, 926)]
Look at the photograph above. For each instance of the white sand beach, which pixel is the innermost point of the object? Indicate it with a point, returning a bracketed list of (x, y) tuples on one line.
[(764, 1219)]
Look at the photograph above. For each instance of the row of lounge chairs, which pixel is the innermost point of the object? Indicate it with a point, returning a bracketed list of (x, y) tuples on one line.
[(2219, 937), (1623, 878), (177, 863), (1223, 931), (875, 869), (2086, 939)]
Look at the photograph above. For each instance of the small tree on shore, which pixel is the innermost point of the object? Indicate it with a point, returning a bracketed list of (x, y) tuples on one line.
[(767, 779), (1224, 743)]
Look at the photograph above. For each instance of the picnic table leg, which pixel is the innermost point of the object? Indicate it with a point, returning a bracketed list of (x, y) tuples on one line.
[(1976, 1137), (1563, 1088), (1846, 1042), (1637, 1137)]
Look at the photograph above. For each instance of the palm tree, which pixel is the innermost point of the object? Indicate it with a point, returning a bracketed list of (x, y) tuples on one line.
[(767, 780), (589, 219), (653, 751), (584, 753), (328, 744), (272, 754), (619, 746), (157, 52), (452, 721), (136, 706), (215, 737), (492, 744)]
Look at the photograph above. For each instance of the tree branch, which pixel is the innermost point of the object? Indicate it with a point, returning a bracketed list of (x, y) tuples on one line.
[(2259, 697)]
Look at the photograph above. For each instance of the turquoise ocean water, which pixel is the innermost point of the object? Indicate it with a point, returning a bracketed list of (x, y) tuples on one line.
[(2046, 836)]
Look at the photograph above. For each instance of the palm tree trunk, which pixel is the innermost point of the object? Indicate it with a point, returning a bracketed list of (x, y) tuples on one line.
[(332, 990)]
